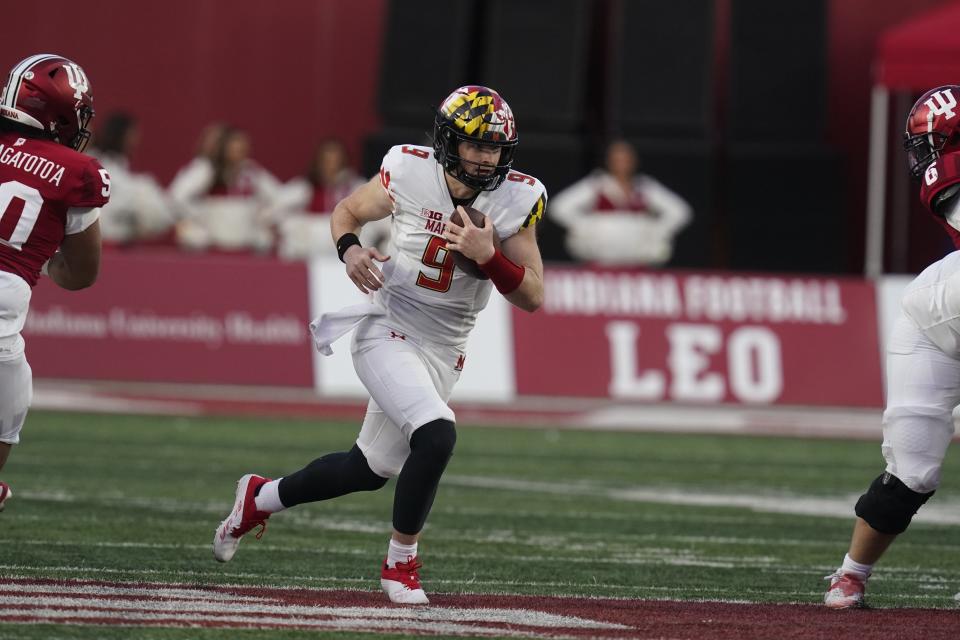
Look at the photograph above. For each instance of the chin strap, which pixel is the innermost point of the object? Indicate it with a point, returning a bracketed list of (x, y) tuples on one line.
[(505, 274)]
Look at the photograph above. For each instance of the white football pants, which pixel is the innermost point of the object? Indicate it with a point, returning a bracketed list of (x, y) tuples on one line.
[(923, 376), (16, 380), (409, 380)]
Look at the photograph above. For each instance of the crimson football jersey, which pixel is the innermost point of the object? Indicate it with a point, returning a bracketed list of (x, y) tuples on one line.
[(40, 181), (943, 173)]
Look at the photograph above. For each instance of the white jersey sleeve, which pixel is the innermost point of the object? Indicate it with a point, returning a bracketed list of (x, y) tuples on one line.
[(79, 219), (424, 293), (517, 204)]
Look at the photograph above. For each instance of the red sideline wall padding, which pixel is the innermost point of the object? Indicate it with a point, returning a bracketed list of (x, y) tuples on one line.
[(654, 336), (290, 73), (176, 318)]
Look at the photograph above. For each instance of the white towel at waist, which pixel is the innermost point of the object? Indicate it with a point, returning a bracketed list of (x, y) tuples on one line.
[(329, 327)]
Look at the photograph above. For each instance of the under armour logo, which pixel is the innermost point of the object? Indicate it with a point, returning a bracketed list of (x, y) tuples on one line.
[(77, 80), (941, 103), (460, 360), (397, 336)]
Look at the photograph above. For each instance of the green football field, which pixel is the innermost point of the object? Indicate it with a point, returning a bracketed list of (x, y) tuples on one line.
[(520, 511)]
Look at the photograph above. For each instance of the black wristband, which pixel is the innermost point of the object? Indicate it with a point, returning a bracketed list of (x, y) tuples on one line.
[(346, 241)]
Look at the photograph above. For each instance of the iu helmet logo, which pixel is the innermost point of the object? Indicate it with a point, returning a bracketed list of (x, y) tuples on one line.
[(77, 80), (941, 103)]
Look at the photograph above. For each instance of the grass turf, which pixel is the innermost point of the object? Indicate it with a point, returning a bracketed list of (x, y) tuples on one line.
[(519, 511)]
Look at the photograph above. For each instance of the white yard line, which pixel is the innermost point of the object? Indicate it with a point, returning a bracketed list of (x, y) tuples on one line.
[(791, 504), (941, 512)]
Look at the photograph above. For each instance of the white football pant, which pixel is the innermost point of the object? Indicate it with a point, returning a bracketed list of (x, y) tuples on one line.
[(16, 380), (409, 380), (16, 393), (923, 376)]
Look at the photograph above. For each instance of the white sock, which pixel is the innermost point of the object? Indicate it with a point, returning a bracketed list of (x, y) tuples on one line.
[(269, 497), (397, 552), (850, 565)]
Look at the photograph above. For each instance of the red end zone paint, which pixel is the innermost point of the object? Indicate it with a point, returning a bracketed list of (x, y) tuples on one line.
[(102, 603)]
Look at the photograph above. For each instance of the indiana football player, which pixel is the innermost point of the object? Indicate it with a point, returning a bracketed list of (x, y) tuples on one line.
[(50, 194), (409, 344), (923, 359)]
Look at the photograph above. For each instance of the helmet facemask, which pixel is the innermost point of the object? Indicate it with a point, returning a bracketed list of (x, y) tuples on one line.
[(446, 144), (922, 151), (80, 139)]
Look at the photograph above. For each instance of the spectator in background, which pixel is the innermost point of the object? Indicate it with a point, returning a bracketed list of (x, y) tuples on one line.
[(616, 216), (223, 197), (303, 206), (196, 175), (138, 209)]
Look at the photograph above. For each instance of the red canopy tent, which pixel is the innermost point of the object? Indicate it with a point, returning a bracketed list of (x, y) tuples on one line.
[(914, 56)]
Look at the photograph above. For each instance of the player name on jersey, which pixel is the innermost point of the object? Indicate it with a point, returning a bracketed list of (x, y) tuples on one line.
[(33, 164)]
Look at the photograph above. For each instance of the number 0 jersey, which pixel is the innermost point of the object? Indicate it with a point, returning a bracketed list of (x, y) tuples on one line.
[(424, 292), (40, 182)]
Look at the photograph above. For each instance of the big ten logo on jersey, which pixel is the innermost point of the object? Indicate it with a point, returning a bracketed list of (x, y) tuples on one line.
[(433, 221), (942, 103)]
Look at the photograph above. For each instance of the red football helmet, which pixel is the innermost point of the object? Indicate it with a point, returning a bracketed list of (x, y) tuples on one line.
[(50, 93), (932, 128), (475, 114)]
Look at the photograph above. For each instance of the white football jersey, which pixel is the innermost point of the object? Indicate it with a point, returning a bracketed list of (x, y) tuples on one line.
[(423, 292)]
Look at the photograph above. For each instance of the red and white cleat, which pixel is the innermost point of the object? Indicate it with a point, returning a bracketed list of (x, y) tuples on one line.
[(5, 493), (402, 582), (845, 592), (242, 519)]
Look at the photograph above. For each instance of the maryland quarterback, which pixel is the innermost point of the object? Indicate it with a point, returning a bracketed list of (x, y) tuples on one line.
[(923, 359), (50, 194), (409, 344)]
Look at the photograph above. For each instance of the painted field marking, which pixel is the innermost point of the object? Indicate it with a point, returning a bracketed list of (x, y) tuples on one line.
[(68, 603), (648, 592), (105, 603)]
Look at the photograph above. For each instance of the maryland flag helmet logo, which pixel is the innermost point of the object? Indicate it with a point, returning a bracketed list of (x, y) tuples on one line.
[(475, 114)]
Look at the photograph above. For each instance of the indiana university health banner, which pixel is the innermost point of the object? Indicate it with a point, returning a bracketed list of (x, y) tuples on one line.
[(174, 317), (656, 336)]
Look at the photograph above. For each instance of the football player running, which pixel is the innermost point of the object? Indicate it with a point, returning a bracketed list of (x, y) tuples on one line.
[(50, 194), (923, 359), (408, 345)]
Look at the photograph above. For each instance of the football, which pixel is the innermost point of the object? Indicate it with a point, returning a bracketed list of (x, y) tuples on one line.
[(464, 263)]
